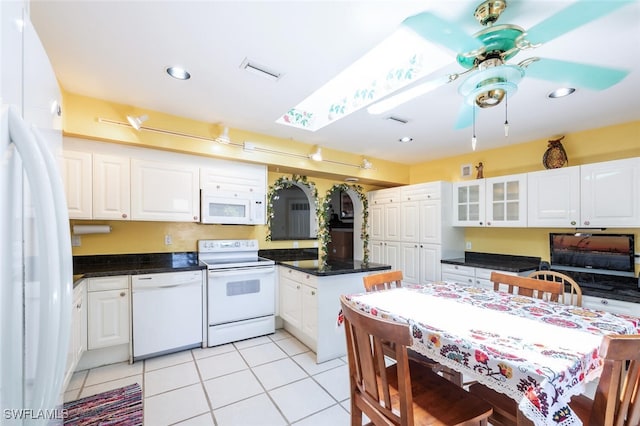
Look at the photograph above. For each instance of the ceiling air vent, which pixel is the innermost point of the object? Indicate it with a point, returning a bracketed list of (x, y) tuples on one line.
[(397, 120), (259, 70)]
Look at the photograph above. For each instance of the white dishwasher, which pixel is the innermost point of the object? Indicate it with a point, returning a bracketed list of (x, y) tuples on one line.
[(167, 312)]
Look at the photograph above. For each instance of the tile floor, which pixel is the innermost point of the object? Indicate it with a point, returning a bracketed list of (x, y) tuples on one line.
[(269, 380)]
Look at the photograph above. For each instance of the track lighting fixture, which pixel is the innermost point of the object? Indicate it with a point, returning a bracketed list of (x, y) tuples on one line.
[(224, 137), (316, 155), (366, 164), (136, 122)]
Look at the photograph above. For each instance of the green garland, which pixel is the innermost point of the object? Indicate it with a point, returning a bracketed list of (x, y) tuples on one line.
[(284, 183), (324, 217)]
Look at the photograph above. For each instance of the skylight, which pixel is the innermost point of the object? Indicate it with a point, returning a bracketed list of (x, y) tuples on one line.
[(399, 60)]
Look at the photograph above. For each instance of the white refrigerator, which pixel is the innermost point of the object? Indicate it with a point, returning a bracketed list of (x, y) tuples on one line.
[(35, 249)]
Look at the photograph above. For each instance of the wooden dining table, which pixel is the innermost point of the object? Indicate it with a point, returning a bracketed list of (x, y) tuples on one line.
[(536, 352)]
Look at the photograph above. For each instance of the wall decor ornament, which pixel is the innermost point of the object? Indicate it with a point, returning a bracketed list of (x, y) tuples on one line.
[(324, 217), (285, 182), (555, 156)]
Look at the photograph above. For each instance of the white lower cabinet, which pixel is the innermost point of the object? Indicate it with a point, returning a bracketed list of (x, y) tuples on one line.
[(309, 307), (611, 305), (78, 337), (108, 322)]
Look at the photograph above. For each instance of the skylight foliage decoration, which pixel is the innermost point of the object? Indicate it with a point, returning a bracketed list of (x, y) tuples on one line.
[(369, 79)]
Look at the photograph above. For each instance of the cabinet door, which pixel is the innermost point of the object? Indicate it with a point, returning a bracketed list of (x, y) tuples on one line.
[(430, 266), (376, 222), (506, 200), (111, 187), (376, 251), (108, 318), (310, 311), (231, 176), (468, 203), (392, 218), (291, 301), (76, 175), (430, 222), (610, 193), (553, 197), (410, 262), (164, 191), (410, 221), (611, 305), (393, 254)]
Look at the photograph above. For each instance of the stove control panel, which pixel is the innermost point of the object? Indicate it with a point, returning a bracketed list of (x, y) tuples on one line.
[(227, 245)]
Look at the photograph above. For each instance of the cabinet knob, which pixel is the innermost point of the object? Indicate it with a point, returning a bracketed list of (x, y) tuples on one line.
[(298, 287), (586, 222), (79, 306), (313, 293), (480, 223), (124, 215), (195, 218), (573, 222), (604, 301), (428, 196), (488, 223), (123, 294)]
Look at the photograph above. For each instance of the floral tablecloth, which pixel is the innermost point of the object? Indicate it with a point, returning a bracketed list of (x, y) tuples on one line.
[(538, 353)]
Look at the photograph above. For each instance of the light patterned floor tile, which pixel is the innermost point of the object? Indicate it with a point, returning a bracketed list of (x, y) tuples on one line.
[(216, 350), (301, 399), (174, 406), (167, 360), (262, 354), (232, 388), (280, 333), (202, 420), (77, 380), (255, 411), (113, 372), (335, 381), (219, 365), (334, 416), (307, 361), (279, 373), (252, 342), (292, 346), (173, 377), (110, 385)]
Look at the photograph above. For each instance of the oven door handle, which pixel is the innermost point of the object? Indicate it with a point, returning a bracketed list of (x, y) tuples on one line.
[(242, 270)]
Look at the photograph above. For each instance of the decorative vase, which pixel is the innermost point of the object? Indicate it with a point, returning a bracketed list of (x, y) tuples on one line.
[(555, 156)]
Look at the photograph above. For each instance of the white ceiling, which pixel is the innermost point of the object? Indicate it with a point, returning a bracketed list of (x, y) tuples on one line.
[(118, 51)]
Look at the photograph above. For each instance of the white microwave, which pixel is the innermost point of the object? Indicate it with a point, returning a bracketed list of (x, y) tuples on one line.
[(233, 208)]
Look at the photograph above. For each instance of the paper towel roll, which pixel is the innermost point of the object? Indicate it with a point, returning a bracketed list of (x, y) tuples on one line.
[(91, 229)]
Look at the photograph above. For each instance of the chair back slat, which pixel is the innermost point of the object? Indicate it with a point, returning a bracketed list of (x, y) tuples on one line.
[(541, 289), (616, 399), (382, 281), (574, 295)]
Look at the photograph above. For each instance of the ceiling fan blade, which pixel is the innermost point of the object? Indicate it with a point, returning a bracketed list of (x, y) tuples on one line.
[(465, 116), (575, 74), (572, 17), (442, 32)]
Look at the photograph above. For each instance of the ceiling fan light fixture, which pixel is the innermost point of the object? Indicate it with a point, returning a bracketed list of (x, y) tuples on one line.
[(561, 92), (136, 122)]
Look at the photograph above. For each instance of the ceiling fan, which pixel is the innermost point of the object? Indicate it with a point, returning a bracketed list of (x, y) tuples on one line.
[(485, 55)]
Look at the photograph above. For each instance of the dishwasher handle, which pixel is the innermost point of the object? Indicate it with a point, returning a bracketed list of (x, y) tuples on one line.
[(148, 286)]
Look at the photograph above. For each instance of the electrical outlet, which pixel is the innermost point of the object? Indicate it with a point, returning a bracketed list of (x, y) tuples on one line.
[(167, 239), (76, 241), (468, 245), (295, 244)]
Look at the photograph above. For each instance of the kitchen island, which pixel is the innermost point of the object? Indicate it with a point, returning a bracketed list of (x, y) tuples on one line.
[(309, 300)]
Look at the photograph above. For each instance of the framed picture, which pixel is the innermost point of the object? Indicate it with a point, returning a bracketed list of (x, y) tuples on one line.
[(346, 206), (465, 170)]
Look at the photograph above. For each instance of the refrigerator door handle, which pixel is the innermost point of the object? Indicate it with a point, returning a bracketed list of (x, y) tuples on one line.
[(55, 296)]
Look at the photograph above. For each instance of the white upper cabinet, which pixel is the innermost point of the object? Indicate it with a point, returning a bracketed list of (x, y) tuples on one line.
[(469, 203), (554, 198), (610, 194), (111, 187), (164, 191), (506, 200), (76, 173), (229, 177)]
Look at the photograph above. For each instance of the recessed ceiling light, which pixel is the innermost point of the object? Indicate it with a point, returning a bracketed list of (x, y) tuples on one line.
[(405, 139), (351, 179), (179, 73), (559, 93)]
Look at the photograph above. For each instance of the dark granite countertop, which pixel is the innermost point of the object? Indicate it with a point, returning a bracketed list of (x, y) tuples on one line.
[(333, 267), (133, 264), (289, 254), (500, 262)]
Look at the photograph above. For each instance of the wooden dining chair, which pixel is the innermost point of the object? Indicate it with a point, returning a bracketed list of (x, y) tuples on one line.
[(393, 279), (382, 280), (616, 398), (405, 393), (505, 409), (545, 290), (574, 293)]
